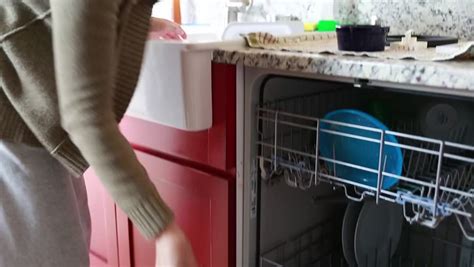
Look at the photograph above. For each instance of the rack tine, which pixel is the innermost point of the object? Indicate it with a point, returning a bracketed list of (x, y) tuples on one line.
[(455, 183), (275, 153), (382, 180), (351, 197), (334, 158), (289, 172), (465, 178), (380, 166), (287, 176), (316, 160), (405, 215), (263, 173), (410, 161), (445, 180), (464, 231)]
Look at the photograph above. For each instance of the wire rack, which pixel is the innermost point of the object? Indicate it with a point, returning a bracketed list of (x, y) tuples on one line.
[(317, 246), (436, 181), (320, 246)]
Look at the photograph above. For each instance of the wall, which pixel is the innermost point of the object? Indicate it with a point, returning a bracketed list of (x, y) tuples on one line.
[(306, 10), (214, 11), (437, 17)]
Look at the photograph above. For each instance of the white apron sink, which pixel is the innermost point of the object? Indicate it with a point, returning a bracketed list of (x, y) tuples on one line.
[(174, 88)]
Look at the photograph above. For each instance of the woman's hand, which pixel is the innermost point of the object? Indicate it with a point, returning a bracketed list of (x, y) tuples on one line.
[(173, 249), (165, 29)]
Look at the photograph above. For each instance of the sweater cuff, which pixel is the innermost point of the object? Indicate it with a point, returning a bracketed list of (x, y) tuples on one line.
[(151, 215)]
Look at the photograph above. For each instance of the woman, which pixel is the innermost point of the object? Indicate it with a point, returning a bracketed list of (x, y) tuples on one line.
[(68, 69)]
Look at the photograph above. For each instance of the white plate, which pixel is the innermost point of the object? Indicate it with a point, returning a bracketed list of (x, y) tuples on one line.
[(466, 254), (348, 230), (447, 120), (377, 233)]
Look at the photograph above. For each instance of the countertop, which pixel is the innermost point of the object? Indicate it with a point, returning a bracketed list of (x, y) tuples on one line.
[(458, 75)]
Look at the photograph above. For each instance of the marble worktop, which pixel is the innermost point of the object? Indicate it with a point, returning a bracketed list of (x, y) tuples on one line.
[(457, 75), (428, 17)]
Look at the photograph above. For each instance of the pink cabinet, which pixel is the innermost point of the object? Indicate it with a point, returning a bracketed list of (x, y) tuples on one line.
[(200, 202), (103, 249)]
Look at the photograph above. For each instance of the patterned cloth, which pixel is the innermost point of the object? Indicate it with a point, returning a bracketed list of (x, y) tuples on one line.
[(326, 43)]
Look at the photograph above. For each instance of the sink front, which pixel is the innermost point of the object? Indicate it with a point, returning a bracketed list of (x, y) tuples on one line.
[(174, 87)]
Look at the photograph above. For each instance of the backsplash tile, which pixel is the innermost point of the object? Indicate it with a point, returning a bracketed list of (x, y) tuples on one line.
[(435, 17)]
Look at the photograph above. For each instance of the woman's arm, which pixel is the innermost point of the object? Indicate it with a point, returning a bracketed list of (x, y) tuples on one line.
[(85, 43), (85, 38)]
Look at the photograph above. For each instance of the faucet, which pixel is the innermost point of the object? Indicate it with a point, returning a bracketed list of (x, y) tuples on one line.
[(234, 7)]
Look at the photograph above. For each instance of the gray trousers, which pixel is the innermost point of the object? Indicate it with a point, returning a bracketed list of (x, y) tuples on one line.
[(44, 216)]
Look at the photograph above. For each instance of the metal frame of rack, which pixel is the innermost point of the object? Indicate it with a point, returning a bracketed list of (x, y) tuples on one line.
[(436, 182)]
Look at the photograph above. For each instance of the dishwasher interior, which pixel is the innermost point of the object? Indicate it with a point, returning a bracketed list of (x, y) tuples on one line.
[(310, 214)]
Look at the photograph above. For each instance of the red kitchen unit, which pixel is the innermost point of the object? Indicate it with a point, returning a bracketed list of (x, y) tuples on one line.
[(194, 173), (104, 239)]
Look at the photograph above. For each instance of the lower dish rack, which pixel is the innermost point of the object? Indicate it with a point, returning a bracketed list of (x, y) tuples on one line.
[(317, 246), (320, 246), (437, 180)]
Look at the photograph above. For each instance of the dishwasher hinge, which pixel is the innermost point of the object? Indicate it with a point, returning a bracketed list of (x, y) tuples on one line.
[(361, 83)]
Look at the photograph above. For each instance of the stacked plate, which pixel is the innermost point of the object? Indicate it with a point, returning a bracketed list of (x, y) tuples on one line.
[(371, 232)]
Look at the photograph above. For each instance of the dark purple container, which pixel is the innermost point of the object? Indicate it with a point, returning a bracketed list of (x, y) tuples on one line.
[(359, 38)]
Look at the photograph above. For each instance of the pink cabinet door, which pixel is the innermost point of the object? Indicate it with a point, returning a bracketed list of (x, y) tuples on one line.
[(200, 202), (104, 246)]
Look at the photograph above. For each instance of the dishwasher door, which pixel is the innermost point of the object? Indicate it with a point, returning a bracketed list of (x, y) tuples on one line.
[(249, 187)]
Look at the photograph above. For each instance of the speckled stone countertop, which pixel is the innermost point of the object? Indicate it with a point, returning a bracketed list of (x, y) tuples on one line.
[(446, 75)]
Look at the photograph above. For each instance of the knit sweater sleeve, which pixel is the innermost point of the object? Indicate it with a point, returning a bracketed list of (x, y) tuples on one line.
[(85, 51)]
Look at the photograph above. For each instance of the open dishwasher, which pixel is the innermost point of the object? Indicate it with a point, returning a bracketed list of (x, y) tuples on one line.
[(301, 208)]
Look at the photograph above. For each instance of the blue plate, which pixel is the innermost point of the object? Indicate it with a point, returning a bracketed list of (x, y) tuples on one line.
[(356, 151)]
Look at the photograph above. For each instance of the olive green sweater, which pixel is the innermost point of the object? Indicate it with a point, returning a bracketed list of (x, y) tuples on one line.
[(68, 69)]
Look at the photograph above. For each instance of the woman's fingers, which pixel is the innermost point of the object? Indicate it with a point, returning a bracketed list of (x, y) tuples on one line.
[(164, 36), (165, 29), (172, 36), (181, 32), (173, 249)]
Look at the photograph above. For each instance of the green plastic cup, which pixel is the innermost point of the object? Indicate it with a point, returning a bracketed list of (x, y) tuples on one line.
[(327, 25)]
